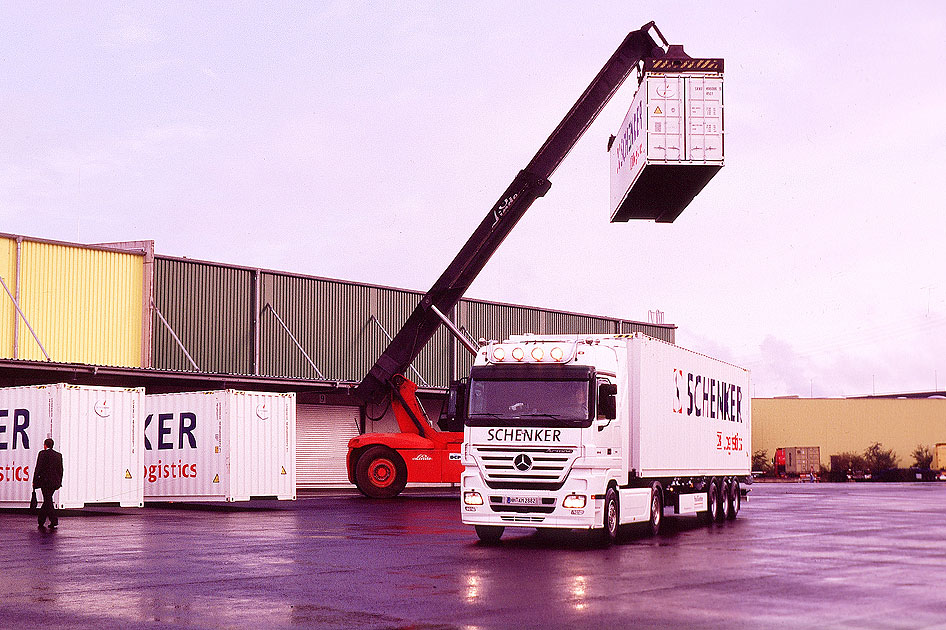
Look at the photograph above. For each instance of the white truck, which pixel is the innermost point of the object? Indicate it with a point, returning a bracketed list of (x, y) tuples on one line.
[(599, 431)]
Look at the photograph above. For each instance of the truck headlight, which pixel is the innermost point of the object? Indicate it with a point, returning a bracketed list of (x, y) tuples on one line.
[(473, 498), (574, 501)]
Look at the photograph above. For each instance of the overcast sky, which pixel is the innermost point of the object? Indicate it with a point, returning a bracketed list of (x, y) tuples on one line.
[(365, 141)]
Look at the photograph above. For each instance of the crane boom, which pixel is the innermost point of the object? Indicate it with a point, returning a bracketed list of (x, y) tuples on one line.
[(529, 184)]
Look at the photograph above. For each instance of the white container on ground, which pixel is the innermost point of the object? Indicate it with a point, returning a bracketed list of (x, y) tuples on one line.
[(225, 445), (98, 430)]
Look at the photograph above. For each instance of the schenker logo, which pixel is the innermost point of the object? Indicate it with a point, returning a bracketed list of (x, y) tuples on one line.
[(704, 396), (522, 462)]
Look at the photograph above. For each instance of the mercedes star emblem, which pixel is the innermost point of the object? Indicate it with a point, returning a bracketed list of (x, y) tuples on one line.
[(522, 462)]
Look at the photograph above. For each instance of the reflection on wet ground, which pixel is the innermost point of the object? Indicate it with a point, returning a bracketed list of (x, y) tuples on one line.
[(827, 556)]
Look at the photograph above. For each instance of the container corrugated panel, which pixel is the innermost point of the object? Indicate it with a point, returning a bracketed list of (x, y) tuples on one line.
[(98, 430), (84, 304), (7, 311), (322, 435), (210, 309), (223, 445)]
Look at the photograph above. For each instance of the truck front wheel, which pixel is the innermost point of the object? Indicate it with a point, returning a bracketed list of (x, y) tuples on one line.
[(380, 473), (489, 534), (609, 533), (656, 510)]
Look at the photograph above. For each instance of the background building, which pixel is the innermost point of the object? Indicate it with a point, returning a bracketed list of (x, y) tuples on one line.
[(117, 314), (839, 425)]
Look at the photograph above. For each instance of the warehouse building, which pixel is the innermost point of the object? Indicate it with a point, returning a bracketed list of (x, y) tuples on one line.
[(118, 314), (849, 425)]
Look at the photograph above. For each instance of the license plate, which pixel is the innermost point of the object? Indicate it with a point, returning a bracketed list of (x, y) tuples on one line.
[(522, 500)]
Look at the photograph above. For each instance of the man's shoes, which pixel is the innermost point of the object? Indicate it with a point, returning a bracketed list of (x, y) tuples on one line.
[(53, 525)]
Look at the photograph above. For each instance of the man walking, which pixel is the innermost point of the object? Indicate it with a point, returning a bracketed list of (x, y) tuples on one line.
[(47, 476)]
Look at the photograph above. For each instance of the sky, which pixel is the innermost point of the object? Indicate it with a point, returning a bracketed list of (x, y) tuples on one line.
[(366, 140)]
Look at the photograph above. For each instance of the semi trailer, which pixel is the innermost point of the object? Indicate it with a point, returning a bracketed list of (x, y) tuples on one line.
[(601, 432)]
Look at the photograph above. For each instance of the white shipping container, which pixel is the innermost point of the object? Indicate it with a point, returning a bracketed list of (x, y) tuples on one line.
[(98, 430), (225, 445), (669, 145), (689, 414)]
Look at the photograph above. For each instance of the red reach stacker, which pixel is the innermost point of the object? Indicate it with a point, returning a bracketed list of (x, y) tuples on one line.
[(381, 464)]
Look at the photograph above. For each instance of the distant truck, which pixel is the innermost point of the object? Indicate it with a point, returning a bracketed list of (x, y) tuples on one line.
[(599, 431)]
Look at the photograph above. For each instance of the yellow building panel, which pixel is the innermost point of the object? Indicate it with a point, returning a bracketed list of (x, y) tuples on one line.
[(84, 304), (848, 425), (7, 311)]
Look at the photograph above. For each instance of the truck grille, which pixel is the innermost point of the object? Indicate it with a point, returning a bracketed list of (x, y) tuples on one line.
[(525, 467)]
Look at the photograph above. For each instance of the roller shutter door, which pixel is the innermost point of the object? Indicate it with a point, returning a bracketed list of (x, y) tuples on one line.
[(322, 434)]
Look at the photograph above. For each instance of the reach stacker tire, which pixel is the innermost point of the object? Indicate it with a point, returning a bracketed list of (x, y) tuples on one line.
[(380, 473)]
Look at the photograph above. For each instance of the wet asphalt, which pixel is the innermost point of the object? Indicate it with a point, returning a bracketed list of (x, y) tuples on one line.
[(851, 556)]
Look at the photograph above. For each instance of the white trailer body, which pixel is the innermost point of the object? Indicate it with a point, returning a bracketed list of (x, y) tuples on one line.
[(558, 427), (97, 430), (225, 445), (689, 414)]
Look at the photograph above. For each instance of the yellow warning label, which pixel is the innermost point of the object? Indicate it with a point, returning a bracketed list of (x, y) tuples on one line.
[(216, 479), (127, 474), (657, 111), (216, 449), (283, 470)]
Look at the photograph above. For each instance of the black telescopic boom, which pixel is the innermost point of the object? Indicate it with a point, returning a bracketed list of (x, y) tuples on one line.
[(530, 184)]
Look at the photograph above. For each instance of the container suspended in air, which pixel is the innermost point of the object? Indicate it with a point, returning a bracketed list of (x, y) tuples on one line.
[(671, 141)]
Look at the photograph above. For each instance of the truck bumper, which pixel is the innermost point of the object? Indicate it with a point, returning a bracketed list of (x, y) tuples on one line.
[(531, 508)]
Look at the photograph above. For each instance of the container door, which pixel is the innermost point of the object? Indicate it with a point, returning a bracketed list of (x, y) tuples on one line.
[(322, 434)]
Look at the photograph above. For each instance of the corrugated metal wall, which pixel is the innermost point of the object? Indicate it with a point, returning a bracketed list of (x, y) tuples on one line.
[(84, 303), (209, 307), (7, 311), (318, 328)]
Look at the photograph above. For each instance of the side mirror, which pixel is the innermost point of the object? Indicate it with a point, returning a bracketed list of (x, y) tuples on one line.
[(607, 401)]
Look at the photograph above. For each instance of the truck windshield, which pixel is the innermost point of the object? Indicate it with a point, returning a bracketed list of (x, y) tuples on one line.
[(558, 403)]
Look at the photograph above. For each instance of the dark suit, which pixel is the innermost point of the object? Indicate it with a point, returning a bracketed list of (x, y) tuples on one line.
[(47, 476)]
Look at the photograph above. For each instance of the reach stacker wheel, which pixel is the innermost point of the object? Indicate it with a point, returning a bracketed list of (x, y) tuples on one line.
[(380, 473)]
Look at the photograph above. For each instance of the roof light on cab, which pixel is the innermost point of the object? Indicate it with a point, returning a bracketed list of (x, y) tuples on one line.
[(538, 353), (518, 353), (499, 353), (557, 354)]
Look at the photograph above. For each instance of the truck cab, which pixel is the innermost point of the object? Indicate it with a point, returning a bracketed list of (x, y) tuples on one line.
[(580, 432)]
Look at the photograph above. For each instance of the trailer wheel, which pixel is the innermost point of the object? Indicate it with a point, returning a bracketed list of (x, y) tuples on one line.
[(609, 532), (656, 509), (712, 502), (735, 499), (725, 497), (380, 473), (489, 534)]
